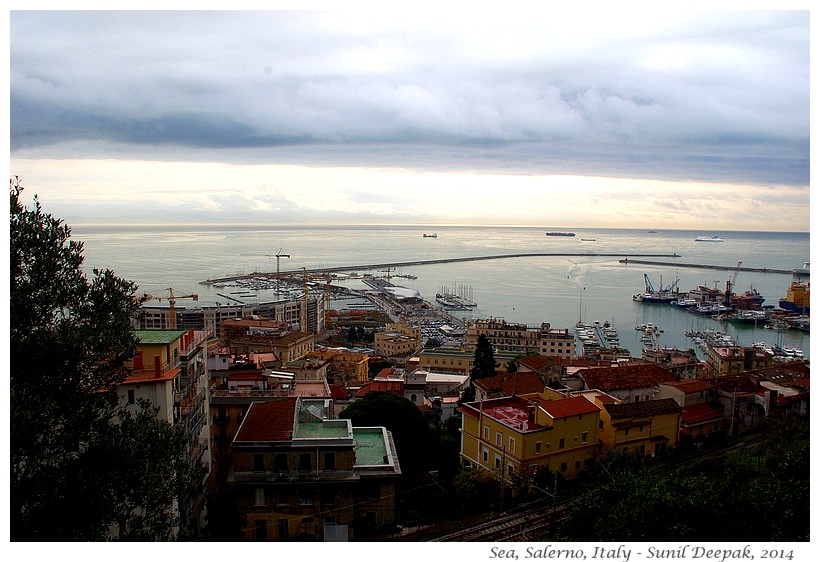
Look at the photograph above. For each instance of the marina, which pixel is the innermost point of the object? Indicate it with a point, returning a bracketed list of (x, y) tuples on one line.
[(509, 275)]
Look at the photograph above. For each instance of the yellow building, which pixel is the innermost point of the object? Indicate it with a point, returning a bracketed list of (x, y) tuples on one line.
[(649, 427), (733, 360), (398, 339), (515, 437), (345, 368)]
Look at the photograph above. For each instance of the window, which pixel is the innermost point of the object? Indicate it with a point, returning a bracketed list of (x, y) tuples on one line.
[(584, 437), (283, 528), (537, 447), (486, 432), (626, 431), (306, 498), (330, 461), (498, 438), (561, 443), (130, 396), (511, 445), (497, 462), (281, 463), (600, 424), (260, 496), (640, 429), (637, 399), (563, 467), (262, 529), (304, 462), (580, 417), (258, 462), (509, 469), (485, 455)]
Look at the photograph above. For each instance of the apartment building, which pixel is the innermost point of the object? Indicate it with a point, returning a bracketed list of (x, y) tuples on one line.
[(521, 339), (732, 360), (399, 339), (454, 360), (297, 470), (346, 368), (515, 437), (170, 371), (650, 427)]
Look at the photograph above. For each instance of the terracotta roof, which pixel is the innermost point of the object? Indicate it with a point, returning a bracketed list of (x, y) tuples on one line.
[(643, 408), (567, 407), (626, 377), (268, 421), (690, 385), (338, 393), (743, 383), (510, 384), (394, 386), (534, 362), (385, 373), (697, 414)]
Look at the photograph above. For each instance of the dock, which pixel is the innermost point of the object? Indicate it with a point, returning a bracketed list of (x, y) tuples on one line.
[(706, 266), (370, 266)]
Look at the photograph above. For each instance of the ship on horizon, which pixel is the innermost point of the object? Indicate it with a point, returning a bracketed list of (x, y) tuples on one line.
[(560, 234)]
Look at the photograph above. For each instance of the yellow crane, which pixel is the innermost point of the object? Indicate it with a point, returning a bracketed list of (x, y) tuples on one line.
[(172, 300), (278, 257)]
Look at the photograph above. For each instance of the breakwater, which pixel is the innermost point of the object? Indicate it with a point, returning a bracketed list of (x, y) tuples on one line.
[(371, 266), (705, 266)]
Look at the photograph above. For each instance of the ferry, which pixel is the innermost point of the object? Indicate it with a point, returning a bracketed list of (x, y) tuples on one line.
[(434, 235), (708, 239), (560, 234)]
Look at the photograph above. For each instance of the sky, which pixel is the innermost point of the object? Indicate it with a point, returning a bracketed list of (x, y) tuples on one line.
[(630, 117)]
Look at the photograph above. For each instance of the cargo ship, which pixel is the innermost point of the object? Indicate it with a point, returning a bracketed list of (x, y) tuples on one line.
[(797, 298), (560, 234)]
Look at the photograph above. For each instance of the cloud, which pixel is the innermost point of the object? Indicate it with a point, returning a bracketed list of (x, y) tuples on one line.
[(714, 97)]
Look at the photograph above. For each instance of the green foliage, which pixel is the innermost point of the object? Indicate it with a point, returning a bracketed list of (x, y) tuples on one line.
[(402, 418), (79, 462), (723, 499), (484, 364)]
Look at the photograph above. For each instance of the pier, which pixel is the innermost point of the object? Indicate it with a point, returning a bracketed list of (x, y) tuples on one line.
[(705, 266), (370, 266)]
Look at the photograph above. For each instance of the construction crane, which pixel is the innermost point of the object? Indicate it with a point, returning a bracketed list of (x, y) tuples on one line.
[(172, 300), (278, 257)]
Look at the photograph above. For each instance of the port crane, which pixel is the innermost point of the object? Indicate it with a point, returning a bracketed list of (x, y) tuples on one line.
[(731, 284), (172, 300)]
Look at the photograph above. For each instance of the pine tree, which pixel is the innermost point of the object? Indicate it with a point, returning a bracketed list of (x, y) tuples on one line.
[(484, 364)]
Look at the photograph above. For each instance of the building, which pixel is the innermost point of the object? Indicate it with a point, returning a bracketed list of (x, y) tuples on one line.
[(346, 368), (732, 360), (398, 339), (681, 364), (649, 427), (170, 371), (520, 339), (204, 317), (628, 383), (297, 470), (453, 360), (702, 413), (508, 384), (515, 437)]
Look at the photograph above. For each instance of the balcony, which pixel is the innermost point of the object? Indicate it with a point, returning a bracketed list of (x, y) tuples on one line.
[(221, 419)]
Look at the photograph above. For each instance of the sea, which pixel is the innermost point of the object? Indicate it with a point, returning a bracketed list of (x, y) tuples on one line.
[(584, 277)]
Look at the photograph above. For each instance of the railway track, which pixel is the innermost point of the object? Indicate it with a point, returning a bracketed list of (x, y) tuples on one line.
[(533, 523)]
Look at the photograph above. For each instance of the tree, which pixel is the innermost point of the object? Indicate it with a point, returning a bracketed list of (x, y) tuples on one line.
[(400, 416), (484, 364), (80, 462)]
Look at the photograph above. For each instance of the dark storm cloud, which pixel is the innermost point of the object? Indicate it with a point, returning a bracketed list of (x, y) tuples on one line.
[(709, 97)]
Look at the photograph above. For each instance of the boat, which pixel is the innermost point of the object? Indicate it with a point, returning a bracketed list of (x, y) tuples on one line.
[(560, 234), (797, 298), (708, 239), (750, 300), (662, 295), (587, 239), (434, 235)]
